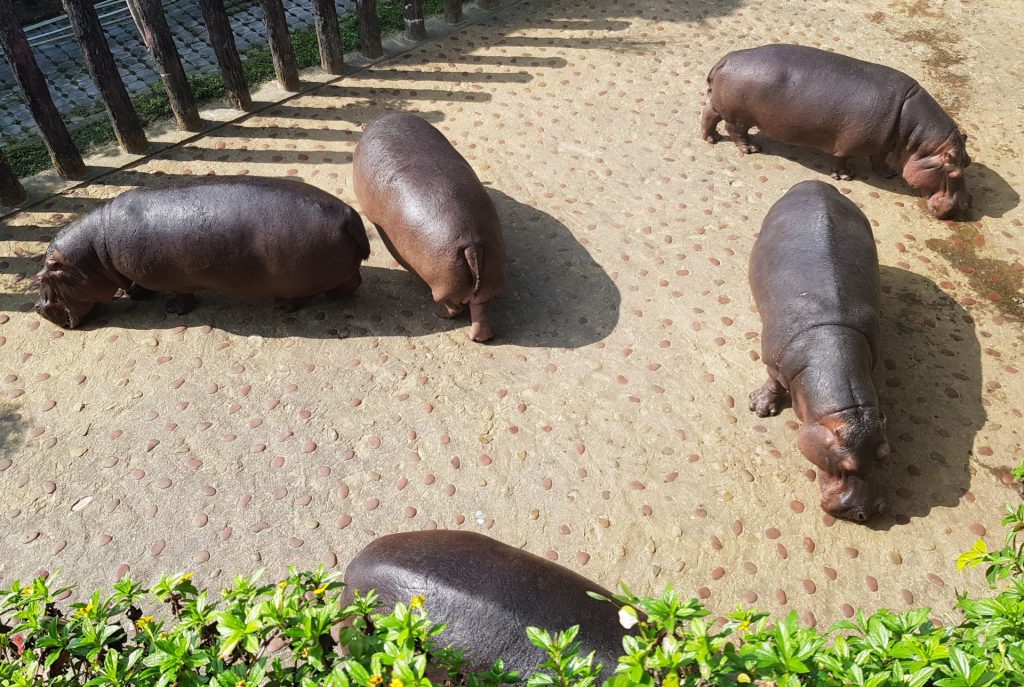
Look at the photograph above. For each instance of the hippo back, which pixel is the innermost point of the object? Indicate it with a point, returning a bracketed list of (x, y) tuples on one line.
[(814, 264), (487, 593)]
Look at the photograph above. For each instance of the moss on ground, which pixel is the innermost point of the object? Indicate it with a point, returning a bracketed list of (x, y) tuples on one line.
[(29, 156)]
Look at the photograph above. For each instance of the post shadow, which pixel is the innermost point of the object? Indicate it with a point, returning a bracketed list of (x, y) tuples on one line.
[(929, 382)]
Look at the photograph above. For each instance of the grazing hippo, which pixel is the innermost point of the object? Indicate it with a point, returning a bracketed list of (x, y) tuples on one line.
[(433, 214), (846, 108), (814, 274), (488, 593), (240, 236)]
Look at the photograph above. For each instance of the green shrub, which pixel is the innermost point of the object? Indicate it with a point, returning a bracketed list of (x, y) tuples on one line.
[(192, 639)]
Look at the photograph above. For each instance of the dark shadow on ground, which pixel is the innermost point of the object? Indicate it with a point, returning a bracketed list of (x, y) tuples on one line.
[(556, 296), (930, 383), (993, 196), (12, 435)]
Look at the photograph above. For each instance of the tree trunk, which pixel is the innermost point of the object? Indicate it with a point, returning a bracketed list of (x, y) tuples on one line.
[(280, 45), (100, 63), (328, 37), (453, 11), (219, 29), (369, 29), (415, 28), (157, 35), (11, 190), (65, 156)]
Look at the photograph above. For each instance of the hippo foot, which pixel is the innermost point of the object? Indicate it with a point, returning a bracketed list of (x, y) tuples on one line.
[(291, 304), (713, 138), (748, 148), (181, 304), (447, 311), (138, 293), (767, 401), (841, 176)]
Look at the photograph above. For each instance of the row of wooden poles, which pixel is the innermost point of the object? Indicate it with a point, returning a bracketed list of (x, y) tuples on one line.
[(156, 34)]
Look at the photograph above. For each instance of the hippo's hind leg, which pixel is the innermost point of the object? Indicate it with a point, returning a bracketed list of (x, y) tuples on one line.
[(769, 399), (448, 310), (709, 125), (346, 288), (841, 168), (181, 304), (138, 293), (880, 166), (740, 135)]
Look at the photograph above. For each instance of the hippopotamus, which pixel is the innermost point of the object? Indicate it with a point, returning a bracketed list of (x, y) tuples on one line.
[(845, 107), (433, 214), (237, 235), (487, 594), (814, 275)]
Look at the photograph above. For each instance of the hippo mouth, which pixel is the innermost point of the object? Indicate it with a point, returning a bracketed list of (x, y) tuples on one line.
[(848, 497), (59, 315)]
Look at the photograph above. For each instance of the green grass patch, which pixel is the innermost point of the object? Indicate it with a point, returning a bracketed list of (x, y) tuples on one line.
[(29, 156)]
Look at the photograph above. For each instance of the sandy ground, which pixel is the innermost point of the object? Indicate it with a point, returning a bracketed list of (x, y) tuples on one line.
[(607, 428)]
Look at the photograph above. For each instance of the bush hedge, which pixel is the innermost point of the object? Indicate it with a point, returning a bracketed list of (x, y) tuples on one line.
[(298, 632)]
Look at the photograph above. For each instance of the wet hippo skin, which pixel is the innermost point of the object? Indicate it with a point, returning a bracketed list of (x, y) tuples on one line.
[(487, 593), (432, 213), (240, 236), (814, 275), (846, 108)]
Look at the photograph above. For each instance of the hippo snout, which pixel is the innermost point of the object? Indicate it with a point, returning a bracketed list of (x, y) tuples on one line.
[(849, 498)]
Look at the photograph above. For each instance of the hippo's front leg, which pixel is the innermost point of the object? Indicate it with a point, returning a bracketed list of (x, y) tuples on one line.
[(448, 311), (138, 293), (767, 401), (880, 166), (841, 169), (181, 304)]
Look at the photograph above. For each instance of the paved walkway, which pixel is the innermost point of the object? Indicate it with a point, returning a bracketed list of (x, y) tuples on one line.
[(74, 91), (607, 428)]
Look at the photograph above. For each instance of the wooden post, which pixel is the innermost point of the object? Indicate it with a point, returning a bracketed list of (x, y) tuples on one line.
[(100, 63), (369, 29), (328, 37), (218, 27), (415, 29), (157, 36), (453, 11), (280, 45), (11, 190), (65, 156)]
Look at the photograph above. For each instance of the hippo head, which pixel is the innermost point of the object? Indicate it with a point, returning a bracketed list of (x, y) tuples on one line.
[(66, 292), (844, 446), (939, 175)]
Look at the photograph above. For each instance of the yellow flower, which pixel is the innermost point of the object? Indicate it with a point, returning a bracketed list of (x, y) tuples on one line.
[(397, 682), (305, 652), (743, 626), (282, 584), (417, 601), (187, 577), (376, 680), (144, 622), (26, 591), (321, 589), (85, 610)]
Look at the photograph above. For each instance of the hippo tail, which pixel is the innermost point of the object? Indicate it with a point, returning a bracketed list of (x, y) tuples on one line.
[(714, 72), (475, 259), (353, 225)]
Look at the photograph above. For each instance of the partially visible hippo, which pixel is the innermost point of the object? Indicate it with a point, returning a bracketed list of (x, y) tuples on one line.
[(846, 108), (433, 214), (240, 236), (814, 274), (487, 593)]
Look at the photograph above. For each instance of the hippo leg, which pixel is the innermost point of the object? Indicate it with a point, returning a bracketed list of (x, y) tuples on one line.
[(741, 137), (181, 304), (449, 310), (840, 168), (880, 166), (347, 288), (481, 328), (767, 401), (709, 125), (292, 304), (138, 293)]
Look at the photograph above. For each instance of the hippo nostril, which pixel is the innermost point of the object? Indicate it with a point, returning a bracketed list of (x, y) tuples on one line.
[(860, 516)]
